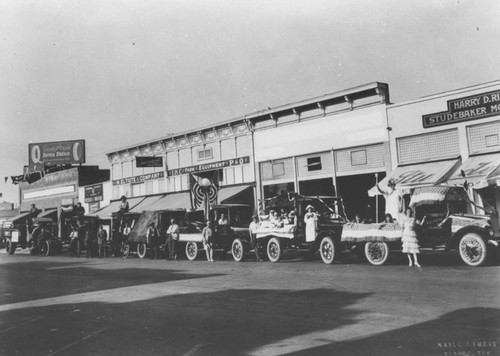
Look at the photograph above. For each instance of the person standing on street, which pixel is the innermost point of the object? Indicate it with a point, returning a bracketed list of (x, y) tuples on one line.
[(252, 230), (409, 239), (152, 237), (172, 238), (207, 241), (311, 220), (102, 238)]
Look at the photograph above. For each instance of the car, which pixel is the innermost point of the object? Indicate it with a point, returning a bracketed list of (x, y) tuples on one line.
[(292, 236), (449, 225)]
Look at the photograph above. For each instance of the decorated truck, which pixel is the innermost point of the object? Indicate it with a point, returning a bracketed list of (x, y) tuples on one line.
[(274, 240), (448, 226)]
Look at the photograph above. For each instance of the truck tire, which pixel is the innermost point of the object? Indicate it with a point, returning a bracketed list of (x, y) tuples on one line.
[(473, 249), (32, 247), (274, 249), (376, 253), (191, 250), (45, 248), (125, 249), (10, 247), (237, 250), (142, 250), (327, 250)]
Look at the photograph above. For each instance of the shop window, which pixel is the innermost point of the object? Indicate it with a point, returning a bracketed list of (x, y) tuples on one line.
[(314, 164), (428, 147), (205, 153), (278, 169), (358, 158), (317, 187), (492, 140), (275, 195)]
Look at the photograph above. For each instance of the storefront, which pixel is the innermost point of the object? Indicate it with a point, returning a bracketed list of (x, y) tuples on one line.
[(221, 155), (451, 138), (336, 144)]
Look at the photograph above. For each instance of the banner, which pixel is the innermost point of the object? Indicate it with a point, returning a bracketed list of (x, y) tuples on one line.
[(199, 192)]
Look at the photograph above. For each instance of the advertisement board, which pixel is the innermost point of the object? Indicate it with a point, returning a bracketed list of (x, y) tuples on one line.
[(148, 161), (93, 193), (55, 153)]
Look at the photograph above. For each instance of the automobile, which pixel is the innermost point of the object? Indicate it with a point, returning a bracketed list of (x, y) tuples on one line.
[(449, 225), (330, 211)]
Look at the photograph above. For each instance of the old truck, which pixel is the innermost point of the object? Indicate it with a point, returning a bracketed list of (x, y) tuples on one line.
[(449, 226), (329, 209)]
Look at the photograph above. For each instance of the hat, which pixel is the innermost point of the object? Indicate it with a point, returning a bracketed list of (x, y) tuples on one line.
[(254, 216), (309, 207), (391, 182), (292, 213)]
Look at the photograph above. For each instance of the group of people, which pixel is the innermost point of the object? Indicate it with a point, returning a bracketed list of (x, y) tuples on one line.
[(153, 240)]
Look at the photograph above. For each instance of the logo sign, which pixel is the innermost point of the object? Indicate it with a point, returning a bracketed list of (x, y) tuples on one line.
[(139, 179), (210, 166), (148, 161), (93, 193), (54, 153), (93, 207), (465, 109)]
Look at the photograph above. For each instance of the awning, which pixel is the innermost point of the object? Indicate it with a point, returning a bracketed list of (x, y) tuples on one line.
[(479, 171), (418, 175), (114, 206), (174, 201), (234, 195), (139, 208), (52, 214), (18, 219)]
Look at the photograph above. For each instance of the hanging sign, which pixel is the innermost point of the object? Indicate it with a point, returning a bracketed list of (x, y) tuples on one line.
[(148, 161)]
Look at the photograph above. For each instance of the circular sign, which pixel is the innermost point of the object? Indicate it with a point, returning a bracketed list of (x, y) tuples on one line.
[(35, 154), (77, 151)]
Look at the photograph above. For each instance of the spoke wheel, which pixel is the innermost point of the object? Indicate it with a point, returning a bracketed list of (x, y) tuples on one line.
[(327, 250), (10, 247), (473, 249), (45, 248), (125, 249), (32, 247), (274, 250), (376, 253), (237, 250), (141, 250), (191, 250)]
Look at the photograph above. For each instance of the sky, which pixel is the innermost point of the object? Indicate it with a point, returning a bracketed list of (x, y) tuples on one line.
[(117, 73)]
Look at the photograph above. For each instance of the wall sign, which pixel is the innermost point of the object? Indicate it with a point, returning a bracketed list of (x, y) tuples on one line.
[(93, 207), (148, 161), (209, 166), (465, 109), (139, 179), (93, 193)]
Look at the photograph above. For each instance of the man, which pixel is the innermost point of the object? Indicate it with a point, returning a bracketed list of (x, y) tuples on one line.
[(223, 220), (102, 237), (252, 229), (172, 238), (393, 200), (33, 213), (152, 237)]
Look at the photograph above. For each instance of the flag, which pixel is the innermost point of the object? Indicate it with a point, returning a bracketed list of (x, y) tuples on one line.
[(196, 192)]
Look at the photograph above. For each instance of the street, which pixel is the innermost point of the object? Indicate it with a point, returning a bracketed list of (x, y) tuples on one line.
[(114, 306)]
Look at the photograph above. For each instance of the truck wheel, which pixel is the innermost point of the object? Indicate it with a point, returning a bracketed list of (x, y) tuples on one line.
[(191, 250), (376, 253), (45, 248), (473, 250), (237, 250), (125, 249), (141, 250), (274, 249), (10, 247), (327, 250)]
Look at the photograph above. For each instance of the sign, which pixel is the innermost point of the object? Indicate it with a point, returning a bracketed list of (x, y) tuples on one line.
[(465, 109), (139, 179), (93, 207), (209, 166), (54, 153), (93, 193), (148, 161)]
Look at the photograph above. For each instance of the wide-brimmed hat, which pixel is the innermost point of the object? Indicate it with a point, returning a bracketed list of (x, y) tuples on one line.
[(309, 207)]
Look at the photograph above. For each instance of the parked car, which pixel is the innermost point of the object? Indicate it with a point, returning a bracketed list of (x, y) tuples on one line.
[(330, 212)]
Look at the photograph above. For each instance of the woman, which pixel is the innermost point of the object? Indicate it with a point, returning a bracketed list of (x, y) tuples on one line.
[(388, 219), (207, 241), (409, 240), (310, 219)]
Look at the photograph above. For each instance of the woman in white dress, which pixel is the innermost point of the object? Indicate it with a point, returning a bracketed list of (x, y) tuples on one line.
[(310, 219), (409, 239)]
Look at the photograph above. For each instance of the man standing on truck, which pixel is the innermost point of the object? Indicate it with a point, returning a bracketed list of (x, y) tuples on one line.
[(393, 200)]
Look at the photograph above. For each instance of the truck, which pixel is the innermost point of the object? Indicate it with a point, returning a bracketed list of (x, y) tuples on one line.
[(330, 211)]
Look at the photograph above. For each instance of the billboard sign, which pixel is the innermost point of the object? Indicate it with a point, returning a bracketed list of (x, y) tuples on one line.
[(209, 166), (148, 161), (93, 193), (55, 153)]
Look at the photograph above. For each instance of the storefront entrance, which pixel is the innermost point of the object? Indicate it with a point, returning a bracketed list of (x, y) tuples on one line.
[(354, 191)]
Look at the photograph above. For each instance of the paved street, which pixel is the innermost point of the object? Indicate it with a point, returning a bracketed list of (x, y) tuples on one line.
[(80, 306)]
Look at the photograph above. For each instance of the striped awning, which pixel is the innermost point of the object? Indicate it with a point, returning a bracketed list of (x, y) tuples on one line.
[(478, 171)]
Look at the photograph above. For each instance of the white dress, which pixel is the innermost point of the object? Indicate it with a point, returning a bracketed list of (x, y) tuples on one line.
[(310, 219), (409, 239)]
